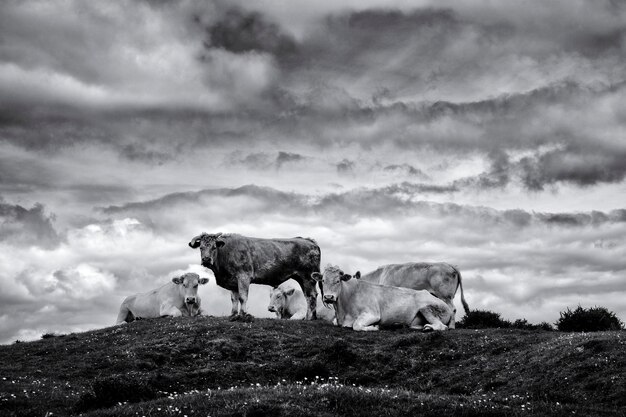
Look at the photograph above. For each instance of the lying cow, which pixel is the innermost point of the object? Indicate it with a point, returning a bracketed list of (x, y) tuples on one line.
[(238, 261), (288, 302), (440, 279), (365, 306), (176, 298)]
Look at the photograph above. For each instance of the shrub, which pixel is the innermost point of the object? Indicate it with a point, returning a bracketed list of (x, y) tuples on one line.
[(482, 319), (49, 335), (525, 325), (593, 319), (522, 324), (544, 325)]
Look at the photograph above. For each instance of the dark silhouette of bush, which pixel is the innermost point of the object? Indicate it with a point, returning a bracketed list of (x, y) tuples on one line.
[(525, 325), (544, 325), (483, 319), (594, 319)]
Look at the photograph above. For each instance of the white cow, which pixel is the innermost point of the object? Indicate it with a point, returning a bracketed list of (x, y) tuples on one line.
[(176, 298), (288, 302), (365, 306), (440, 279)]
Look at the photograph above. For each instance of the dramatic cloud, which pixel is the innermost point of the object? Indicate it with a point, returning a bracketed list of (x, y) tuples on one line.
[(239, 32), (408, 169), (21, 226)]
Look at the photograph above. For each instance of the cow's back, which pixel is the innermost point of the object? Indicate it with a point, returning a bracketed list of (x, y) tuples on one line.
[(269, 261), (438, 278)]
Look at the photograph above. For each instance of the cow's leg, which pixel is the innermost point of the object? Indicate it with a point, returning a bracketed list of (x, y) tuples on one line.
[(417, 323), (234, 311), (170, 310), (243, 284), (434, 322), (124, 316), (299, 315), (309, 289), (365, 322), (453, 310)]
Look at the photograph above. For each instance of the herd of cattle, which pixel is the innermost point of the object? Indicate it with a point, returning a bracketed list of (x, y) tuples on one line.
[(419, 295)]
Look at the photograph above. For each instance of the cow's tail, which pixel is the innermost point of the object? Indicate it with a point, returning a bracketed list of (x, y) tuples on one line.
[(460, 285)]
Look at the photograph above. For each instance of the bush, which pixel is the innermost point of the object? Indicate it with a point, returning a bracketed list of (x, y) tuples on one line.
[(594, 319), (544, 325), (482, 319), (525, 325)]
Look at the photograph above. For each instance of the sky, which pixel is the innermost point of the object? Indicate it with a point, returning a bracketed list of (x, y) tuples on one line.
[(491, 136)]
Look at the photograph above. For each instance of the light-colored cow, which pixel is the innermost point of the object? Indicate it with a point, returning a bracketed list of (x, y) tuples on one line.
[(176, 298), (365, 306), (440, 279), (288, 302)]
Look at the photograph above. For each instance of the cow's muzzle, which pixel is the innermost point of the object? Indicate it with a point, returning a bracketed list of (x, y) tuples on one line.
[(207, 262), (272, 309), (190, 300), (329, 299)]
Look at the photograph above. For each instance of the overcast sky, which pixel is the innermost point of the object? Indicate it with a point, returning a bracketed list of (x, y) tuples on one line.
[(490, 137)]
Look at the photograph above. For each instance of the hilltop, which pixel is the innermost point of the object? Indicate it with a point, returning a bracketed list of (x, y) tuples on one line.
[(210, 366)]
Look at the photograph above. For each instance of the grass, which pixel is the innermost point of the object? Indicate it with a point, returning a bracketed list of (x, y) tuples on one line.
[(210, 366)]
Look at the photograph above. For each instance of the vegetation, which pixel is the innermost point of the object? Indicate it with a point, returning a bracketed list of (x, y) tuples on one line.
[(593, 319), (210, 366), (482, 319), (46, 336)]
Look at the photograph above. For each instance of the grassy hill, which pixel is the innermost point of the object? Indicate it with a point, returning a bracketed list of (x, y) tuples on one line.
[(210, 366)]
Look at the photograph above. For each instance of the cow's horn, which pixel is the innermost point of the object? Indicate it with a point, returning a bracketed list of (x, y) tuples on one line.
[(195, 242)]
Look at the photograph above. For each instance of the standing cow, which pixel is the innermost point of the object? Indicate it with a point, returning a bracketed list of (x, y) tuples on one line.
[(364, 306), (238, 261), (176, 298), (440, 279)]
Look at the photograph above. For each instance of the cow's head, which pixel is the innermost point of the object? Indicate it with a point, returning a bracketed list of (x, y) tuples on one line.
[(188, 286), (279, 298), (331, 280), (208, 245)]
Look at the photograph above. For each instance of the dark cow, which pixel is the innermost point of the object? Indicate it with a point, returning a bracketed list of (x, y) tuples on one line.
[(238, 261)]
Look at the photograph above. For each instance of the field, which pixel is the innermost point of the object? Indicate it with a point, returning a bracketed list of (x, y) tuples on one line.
[(212, 367)]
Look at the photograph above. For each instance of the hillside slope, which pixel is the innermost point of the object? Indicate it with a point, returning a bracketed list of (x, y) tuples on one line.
[(210, 366)]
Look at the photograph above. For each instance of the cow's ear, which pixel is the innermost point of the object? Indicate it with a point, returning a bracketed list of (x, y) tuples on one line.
[(357, 275), (289, 291), (316, 276), (177, 280), (203, 281), (346, 277), (219, 243)]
